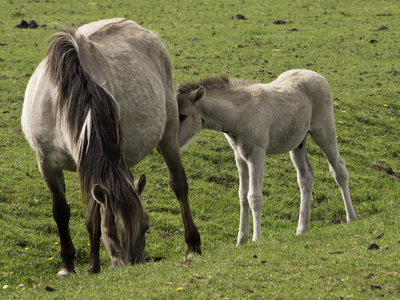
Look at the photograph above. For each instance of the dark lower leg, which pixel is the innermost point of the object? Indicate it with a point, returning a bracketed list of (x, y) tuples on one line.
[(94, 230), (178, 183), (67, 252)]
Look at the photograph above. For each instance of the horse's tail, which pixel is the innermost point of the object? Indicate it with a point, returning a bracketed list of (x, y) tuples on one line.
[(91, 117)]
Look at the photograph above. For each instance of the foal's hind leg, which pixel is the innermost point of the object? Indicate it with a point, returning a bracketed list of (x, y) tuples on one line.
[(54, 178), (305, 174), (169, 150), (326, 140)]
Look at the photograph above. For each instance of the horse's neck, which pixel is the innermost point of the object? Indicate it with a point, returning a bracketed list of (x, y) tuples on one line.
[(218, 112)]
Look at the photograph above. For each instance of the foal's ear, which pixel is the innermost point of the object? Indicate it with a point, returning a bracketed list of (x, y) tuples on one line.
[(140, 184), (178, 88), (199, 93), (99, 194)]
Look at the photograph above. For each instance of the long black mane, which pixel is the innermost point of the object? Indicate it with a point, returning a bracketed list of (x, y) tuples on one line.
[(92, 117)]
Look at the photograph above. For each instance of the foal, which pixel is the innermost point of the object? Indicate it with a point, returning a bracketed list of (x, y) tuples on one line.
[(260, 119)]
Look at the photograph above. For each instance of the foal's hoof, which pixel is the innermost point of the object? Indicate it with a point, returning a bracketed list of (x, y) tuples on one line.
[(242, 240), (301, 231), (352, 218)]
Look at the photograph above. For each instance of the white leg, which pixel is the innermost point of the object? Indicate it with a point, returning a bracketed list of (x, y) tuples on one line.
[(254, 196), (328, 145), (305, 174), (339, 172), (243, 235)]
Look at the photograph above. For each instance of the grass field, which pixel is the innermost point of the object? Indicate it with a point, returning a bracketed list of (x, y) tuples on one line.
[(353, 44)]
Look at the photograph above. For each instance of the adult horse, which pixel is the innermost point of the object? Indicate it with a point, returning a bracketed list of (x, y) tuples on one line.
[(260, 119), (102, 100)]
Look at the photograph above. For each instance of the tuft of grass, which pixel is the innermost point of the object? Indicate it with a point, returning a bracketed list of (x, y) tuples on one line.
[(342, 40)]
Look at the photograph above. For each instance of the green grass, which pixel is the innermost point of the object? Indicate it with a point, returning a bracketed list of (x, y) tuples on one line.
[(338, 39)]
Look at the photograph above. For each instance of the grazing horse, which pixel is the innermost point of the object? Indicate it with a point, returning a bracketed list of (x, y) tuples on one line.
[(260, 119), (101, 101)]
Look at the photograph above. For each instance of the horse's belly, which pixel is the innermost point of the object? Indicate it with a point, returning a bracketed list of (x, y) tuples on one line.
[(142, 138)]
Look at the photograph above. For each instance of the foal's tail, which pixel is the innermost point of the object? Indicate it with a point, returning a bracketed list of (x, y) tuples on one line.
[(91, 116)]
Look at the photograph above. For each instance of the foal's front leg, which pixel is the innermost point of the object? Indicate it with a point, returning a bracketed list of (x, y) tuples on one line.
[(243, 235), (255, 197)]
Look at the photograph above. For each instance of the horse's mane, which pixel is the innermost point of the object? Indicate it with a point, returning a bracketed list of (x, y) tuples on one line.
[(212, 83), (91, 116)]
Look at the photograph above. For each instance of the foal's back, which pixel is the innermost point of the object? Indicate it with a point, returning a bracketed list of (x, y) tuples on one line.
[(308, 82)]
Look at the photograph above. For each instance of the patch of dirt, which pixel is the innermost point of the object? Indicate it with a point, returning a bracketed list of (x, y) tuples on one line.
[(239, 17), (164, 234), (388, 170), (373, 247)]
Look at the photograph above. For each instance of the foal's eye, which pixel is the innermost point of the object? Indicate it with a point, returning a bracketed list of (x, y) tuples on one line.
[(182, 118)]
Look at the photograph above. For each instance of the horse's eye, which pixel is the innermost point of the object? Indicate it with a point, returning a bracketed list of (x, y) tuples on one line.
[(182, 118)]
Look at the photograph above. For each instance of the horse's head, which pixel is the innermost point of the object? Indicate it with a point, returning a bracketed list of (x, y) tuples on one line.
[(190, 120), (123, 227)]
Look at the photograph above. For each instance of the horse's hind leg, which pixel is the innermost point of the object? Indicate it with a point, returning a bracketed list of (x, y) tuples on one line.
[(244, 222), (326, 140), (305, 174), (54, 178), (169, 150)]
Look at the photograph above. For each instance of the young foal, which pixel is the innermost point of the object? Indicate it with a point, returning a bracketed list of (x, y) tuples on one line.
[(260, 119), (101, 101)]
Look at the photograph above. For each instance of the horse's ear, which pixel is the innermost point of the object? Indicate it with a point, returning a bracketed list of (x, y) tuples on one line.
[(199, 93), (99, 194), (140, 184)]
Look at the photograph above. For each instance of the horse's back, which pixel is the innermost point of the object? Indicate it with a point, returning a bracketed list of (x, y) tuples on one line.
[(141, 81), (132, 65), (117, 38)]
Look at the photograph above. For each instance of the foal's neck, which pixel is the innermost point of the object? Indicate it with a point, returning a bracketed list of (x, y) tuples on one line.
[(219, 112)]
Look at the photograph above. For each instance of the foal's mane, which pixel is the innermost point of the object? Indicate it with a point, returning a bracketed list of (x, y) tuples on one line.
[(91, 115), (217, 83)]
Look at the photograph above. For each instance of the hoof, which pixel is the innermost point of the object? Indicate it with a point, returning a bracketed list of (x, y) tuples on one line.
[(352, 218), (241, 240), (301, 231), (197, 251), (194, 250), (65, 272), (93, 270)]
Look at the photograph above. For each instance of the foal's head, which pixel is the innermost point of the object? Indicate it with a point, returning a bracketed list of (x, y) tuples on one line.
[(190, 121), (123, 238)]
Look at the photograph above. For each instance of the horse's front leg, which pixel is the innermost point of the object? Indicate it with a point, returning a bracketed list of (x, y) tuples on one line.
[(93, 227), (243, 235), (169, 150), (54, 178), (254, 196), (305, 174)]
